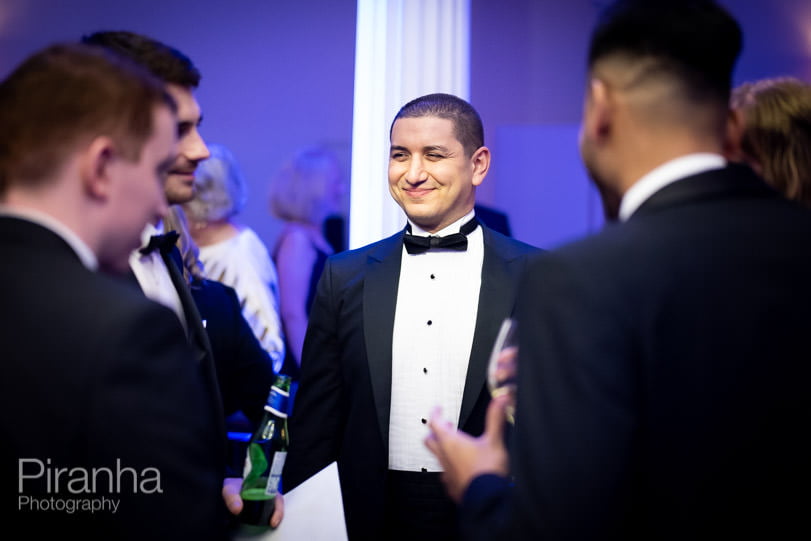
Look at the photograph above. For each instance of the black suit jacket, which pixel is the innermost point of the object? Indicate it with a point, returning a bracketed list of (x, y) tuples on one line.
[(198, 337), (663, 389), (97, 376), (244, 369), (494, 219), (342, 406)]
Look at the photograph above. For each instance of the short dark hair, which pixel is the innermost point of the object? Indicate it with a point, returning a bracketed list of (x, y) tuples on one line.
[(165, 62), (467, 125), (68, 94), (697, 41)]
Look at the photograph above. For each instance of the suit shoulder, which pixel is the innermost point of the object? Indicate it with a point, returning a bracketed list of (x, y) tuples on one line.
[(359, 255), (509, 246)]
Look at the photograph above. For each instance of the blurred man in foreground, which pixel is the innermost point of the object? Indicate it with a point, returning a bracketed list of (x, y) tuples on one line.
[(663, 363)]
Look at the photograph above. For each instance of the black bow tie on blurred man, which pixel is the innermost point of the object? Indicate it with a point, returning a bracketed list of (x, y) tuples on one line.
[(164, 243), (416, 244)]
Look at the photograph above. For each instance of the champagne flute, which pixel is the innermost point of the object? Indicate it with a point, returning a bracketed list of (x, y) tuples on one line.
[(502, 368)]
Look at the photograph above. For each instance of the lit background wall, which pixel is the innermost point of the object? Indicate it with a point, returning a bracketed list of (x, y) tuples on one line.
[(278, 75)]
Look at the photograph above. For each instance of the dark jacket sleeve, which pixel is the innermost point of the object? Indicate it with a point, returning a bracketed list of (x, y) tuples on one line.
[(154, 397), (244, 368), (319, 413)]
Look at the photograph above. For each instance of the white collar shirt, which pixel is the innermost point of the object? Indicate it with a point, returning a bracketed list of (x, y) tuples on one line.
[(83, 251), (667, 173), (434, 323)]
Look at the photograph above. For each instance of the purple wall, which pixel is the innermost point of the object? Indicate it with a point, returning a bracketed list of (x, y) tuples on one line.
[(528, 76), (279, 75), (276, 75)]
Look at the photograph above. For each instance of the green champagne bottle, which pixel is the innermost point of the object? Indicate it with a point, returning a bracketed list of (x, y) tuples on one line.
[(265, 458)]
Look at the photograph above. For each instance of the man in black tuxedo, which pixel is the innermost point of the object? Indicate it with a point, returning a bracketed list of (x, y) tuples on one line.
[(153, 268), (393, 333), (233, 377), (663, 363), (106, 430)]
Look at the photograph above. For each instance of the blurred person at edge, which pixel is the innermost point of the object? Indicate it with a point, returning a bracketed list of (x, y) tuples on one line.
[(89, 139), (770, 130), (663, 382)]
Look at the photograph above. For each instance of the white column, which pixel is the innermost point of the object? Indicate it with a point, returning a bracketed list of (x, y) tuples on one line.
[(403, 49)]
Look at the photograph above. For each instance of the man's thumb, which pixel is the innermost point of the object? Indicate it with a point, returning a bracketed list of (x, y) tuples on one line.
[(496, 418)]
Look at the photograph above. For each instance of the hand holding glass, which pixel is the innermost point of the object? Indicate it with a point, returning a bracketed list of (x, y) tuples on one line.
[(502, 368)]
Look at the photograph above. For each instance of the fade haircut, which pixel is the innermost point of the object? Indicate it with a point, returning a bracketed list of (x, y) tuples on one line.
[(165, 62), (467, 125), (65, 96), (693, 42)]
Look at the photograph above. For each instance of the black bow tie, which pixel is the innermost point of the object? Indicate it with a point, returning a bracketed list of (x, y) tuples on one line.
[(416, 244), (164, 243)]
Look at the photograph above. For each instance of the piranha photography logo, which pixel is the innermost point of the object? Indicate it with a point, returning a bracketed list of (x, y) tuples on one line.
[(46, 487)]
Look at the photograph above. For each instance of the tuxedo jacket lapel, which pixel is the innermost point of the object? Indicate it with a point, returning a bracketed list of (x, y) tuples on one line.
[(198, 338), (496, 299), (379, 304)]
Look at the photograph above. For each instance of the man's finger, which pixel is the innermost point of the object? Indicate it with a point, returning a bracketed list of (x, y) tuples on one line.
[(439, 427), (496, 418), (433, 445), (230, 493), (278, 511)]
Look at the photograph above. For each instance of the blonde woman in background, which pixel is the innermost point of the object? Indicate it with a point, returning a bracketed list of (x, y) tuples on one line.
[(770, 130), (231, 252), (307, 190)]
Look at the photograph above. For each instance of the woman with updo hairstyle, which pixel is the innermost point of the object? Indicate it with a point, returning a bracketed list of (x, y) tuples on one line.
[(233, 253)]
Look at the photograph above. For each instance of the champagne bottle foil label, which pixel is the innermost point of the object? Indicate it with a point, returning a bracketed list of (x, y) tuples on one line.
[(275, 473), (277, 402)]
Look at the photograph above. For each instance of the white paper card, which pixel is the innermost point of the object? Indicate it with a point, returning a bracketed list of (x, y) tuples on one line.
[(313, 511)]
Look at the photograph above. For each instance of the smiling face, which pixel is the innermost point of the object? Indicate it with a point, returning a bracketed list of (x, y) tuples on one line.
[(430, 176), (191, 147)]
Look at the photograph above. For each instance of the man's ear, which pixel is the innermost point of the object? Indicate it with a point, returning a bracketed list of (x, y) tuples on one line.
[(95, 167), (481, 164), (598, 112)]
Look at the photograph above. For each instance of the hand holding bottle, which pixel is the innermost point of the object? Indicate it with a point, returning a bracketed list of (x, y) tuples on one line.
[(264, 459), (230, 493)]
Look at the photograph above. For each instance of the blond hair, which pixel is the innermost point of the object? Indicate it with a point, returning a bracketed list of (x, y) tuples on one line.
[(777, 132), (300, 192)]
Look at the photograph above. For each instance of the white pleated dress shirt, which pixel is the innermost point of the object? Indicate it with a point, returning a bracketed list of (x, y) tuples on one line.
[(434, 323)]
